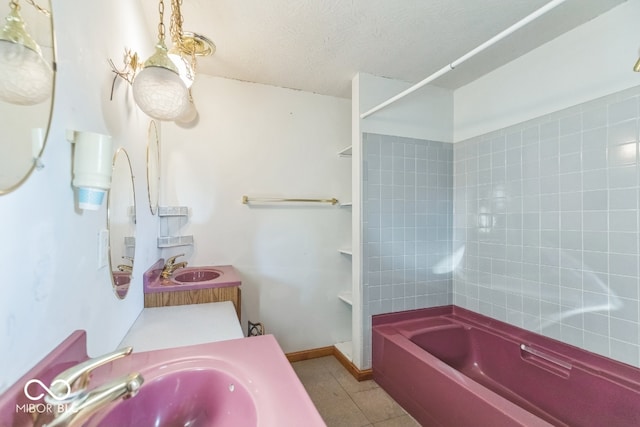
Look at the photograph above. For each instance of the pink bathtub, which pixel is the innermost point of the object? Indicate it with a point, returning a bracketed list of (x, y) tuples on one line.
[(448, 366)]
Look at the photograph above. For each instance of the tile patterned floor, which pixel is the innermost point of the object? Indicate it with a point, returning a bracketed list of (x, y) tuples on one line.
[(344, 402)]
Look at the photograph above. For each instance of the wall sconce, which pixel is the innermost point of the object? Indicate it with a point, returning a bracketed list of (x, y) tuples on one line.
[(91, 167), (26, 77)]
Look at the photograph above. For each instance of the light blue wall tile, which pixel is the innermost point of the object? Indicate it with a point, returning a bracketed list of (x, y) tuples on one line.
[(623, 110), (594, 117), (566, 229), (408, 210)]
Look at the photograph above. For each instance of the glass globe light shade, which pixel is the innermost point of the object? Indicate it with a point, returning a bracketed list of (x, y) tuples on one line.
[(185, 70), (160, 93), (25, 76), (158, 89), (189, 116)]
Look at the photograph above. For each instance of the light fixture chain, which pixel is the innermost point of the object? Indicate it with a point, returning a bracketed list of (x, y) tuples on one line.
[(176, 23), (161, 24), (38, 7)]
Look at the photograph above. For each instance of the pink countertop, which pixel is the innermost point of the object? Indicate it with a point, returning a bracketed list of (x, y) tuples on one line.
[(257, 365), (153, 282)]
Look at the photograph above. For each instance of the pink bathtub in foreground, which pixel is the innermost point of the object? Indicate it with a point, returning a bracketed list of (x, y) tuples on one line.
[(448, 366)]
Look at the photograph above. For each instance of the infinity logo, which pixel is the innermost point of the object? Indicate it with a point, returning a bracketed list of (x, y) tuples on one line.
[(47, 389)]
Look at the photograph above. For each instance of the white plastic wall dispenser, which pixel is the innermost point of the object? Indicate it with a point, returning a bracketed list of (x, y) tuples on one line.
[(92, 164)]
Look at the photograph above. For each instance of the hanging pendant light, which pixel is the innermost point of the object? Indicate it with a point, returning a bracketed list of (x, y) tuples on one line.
[(159, 89), (26, 77)]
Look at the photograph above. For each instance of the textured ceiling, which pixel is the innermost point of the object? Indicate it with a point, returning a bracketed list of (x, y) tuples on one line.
[(319, 45)]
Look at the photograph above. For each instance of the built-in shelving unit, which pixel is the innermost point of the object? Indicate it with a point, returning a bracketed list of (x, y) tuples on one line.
[(172, 219), (346, 295)]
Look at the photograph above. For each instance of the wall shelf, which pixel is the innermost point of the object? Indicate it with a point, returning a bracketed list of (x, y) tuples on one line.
[(172, 219), (173, 241), (129, 242), (347, 297), (173, 211), (345, 152)]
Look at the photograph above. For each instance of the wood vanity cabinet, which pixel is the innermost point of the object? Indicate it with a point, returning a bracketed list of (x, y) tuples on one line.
[(200, 296)]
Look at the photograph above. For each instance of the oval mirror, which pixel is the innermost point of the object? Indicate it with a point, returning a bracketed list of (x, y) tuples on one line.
[(27, 68), (153, 166), (121, 222)]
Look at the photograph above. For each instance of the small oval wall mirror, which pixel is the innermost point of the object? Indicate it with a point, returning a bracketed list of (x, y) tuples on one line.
[(153, 166), (121, 221), (27, 71)]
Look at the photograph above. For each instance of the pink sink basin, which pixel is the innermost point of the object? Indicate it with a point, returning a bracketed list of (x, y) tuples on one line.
[(187, 394), (190, 278), (196, 275), (246, 382), (122, 279)]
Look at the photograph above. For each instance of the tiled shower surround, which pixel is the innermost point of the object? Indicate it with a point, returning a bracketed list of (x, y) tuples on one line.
[(407, 226), (540, 226), (546, 230)]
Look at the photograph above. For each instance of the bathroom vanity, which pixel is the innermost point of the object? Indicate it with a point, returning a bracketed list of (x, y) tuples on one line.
[(176, 326), (235, 382), (192, 285)]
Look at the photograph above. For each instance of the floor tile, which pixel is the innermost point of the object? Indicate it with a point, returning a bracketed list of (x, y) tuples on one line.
[(402, 421), (342, 401), (377, 405)]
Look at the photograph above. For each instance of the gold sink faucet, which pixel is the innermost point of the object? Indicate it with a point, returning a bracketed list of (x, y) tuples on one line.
[(78, 404), (125, 267), (171, 265)]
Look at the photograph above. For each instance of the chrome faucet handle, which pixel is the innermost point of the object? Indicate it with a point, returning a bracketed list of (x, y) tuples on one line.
[(77, 377), (172, 260)]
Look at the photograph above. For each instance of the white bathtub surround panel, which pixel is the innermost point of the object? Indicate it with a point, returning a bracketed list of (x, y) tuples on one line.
[(407, 206), (265, 141), (546, 213), (425, 114), (590, 61)]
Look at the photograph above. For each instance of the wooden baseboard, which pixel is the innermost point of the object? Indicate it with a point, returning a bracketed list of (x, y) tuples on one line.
[(310, 354), (360, 375)]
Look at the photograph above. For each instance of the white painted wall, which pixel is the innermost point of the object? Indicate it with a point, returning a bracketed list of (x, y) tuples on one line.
[(50, 282), (593, 60), (264, 141)]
